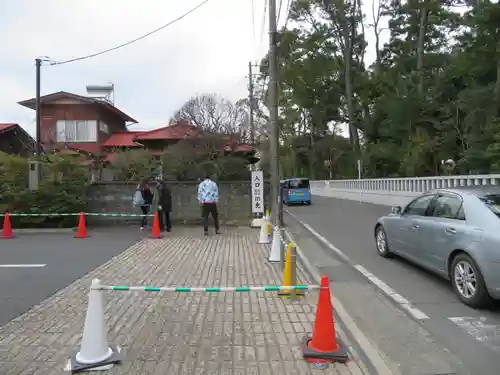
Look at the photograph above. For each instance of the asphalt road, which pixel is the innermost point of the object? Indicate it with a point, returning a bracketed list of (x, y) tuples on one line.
[(66, 259), (473, 335)]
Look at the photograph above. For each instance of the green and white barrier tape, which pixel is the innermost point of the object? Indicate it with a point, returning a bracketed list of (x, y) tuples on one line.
[(271, 288), (78, 214), (115, 214), (27, 215)]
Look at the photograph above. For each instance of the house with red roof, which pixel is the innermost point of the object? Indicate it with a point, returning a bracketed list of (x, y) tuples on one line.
[(14, 140), (96, 128)]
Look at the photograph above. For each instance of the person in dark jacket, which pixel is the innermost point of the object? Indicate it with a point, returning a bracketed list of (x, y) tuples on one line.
[(147, 195), (164, 205)]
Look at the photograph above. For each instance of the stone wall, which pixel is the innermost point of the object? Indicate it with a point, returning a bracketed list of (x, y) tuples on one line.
[(116, 197)]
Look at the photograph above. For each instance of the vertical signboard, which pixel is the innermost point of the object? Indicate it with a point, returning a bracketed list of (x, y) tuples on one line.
[(257, 192)]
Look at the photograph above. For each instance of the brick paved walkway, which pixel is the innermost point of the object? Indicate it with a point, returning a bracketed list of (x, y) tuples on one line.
[(229, 333)]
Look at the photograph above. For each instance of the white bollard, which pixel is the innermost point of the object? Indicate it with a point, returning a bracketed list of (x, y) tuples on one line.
[(275, 255)]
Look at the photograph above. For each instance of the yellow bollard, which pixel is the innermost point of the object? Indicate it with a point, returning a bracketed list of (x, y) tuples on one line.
[(268, 229), (288, 275)]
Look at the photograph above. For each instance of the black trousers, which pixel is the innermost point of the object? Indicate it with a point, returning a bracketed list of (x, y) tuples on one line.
[(210, 209), (164, 218), (145, 211)]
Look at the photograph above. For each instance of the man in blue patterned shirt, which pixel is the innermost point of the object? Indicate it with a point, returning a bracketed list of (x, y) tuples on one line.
[(208, 197)]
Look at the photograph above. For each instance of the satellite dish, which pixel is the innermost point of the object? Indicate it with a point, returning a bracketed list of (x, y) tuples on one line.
[(105, 92)]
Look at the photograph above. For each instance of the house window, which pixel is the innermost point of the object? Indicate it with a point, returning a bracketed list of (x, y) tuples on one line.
[(76, 131), (103, 127)]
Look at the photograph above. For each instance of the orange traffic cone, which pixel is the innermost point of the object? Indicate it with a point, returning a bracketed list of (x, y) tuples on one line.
[(323, 346), (7, 227), (155, 232), (82, 229)]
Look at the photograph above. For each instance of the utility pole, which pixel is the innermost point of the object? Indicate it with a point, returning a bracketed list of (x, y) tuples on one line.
[(38, 141), (274, 131), (38, 147), (251, 100)]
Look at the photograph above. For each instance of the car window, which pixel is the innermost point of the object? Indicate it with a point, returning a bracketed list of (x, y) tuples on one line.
[(448, 207), (492, 201), (299, 184), (419, 206)]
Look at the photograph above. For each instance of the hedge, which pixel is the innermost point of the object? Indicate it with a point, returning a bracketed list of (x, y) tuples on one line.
[(61, 190)]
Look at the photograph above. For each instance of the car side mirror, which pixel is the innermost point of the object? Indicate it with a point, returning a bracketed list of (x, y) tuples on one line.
[(396, 210)]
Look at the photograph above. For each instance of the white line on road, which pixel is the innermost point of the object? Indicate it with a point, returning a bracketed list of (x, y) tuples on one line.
[(327, 243), (391, 293), (22, 265), (386, 289)]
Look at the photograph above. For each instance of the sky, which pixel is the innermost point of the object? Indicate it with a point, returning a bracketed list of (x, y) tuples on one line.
[(207, 51)]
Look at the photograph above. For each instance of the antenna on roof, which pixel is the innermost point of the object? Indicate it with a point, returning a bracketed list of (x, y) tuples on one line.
[(103, 92)]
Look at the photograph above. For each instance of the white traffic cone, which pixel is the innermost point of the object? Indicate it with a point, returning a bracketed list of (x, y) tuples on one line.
[(95, 354), (275, 255), (265, 231)]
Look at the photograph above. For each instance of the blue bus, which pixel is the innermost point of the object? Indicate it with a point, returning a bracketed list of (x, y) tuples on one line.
[(295, 191)]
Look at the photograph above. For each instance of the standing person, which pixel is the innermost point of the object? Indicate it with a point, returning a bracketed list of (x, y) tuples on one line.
[(208, 197), (147, 196), (164, 205)]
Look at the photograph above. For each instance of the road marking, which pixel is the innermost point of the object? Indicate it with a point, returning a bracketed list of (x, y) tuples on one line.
[(391, 293), (478, 328), (22, 265), (327, 243), (386, 289)]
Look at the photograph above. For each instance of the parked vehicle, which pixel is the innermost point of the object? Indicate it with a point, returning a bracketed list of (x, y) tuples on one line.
[(295, 191), (454, 233)]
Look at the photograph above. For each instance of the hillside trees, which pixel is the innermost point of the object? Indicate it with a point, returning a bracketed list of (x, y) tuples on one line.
[(430, 92)]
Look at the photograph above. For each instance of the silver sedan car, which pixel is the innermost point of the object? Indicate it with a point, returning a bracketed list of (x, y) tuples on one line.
[(454, 233)]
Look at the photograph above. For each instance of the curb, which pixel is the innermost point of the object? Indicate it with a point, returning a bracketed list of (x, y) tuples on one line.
[(371, 352)]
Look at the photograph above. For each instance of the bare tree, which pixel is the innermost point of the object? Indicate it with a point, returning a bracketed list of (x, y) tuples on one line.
[(214, 114)]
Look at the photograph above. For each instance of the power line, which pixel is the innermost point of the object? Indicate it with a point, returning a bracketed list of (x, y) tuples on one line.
[(253, 24), (133, 40), (279, 12), (288, 6), (262, 27)]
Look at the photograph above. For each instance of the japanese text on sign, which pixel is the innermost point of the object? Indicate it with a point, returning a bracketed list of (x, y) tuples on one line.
[(257, 192)]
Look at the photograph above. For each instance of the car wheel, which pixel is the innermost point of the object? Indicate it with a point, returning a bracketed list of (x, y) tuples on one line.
[(381, 241), (468, 282)]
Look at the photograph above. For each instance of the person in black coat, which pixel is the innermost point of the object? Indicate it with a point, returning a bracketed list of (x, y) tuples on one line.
[(164, 205)]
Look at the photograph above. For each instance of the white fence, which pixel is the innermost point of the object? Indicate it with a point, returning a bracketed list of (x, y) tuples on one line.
[(396, 191)]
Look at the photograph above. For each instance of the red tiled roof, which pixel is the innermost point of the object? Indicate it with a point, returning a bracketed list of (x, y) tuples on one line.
[(31, 103), (7, 126), (122, 139), (178, 131)]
